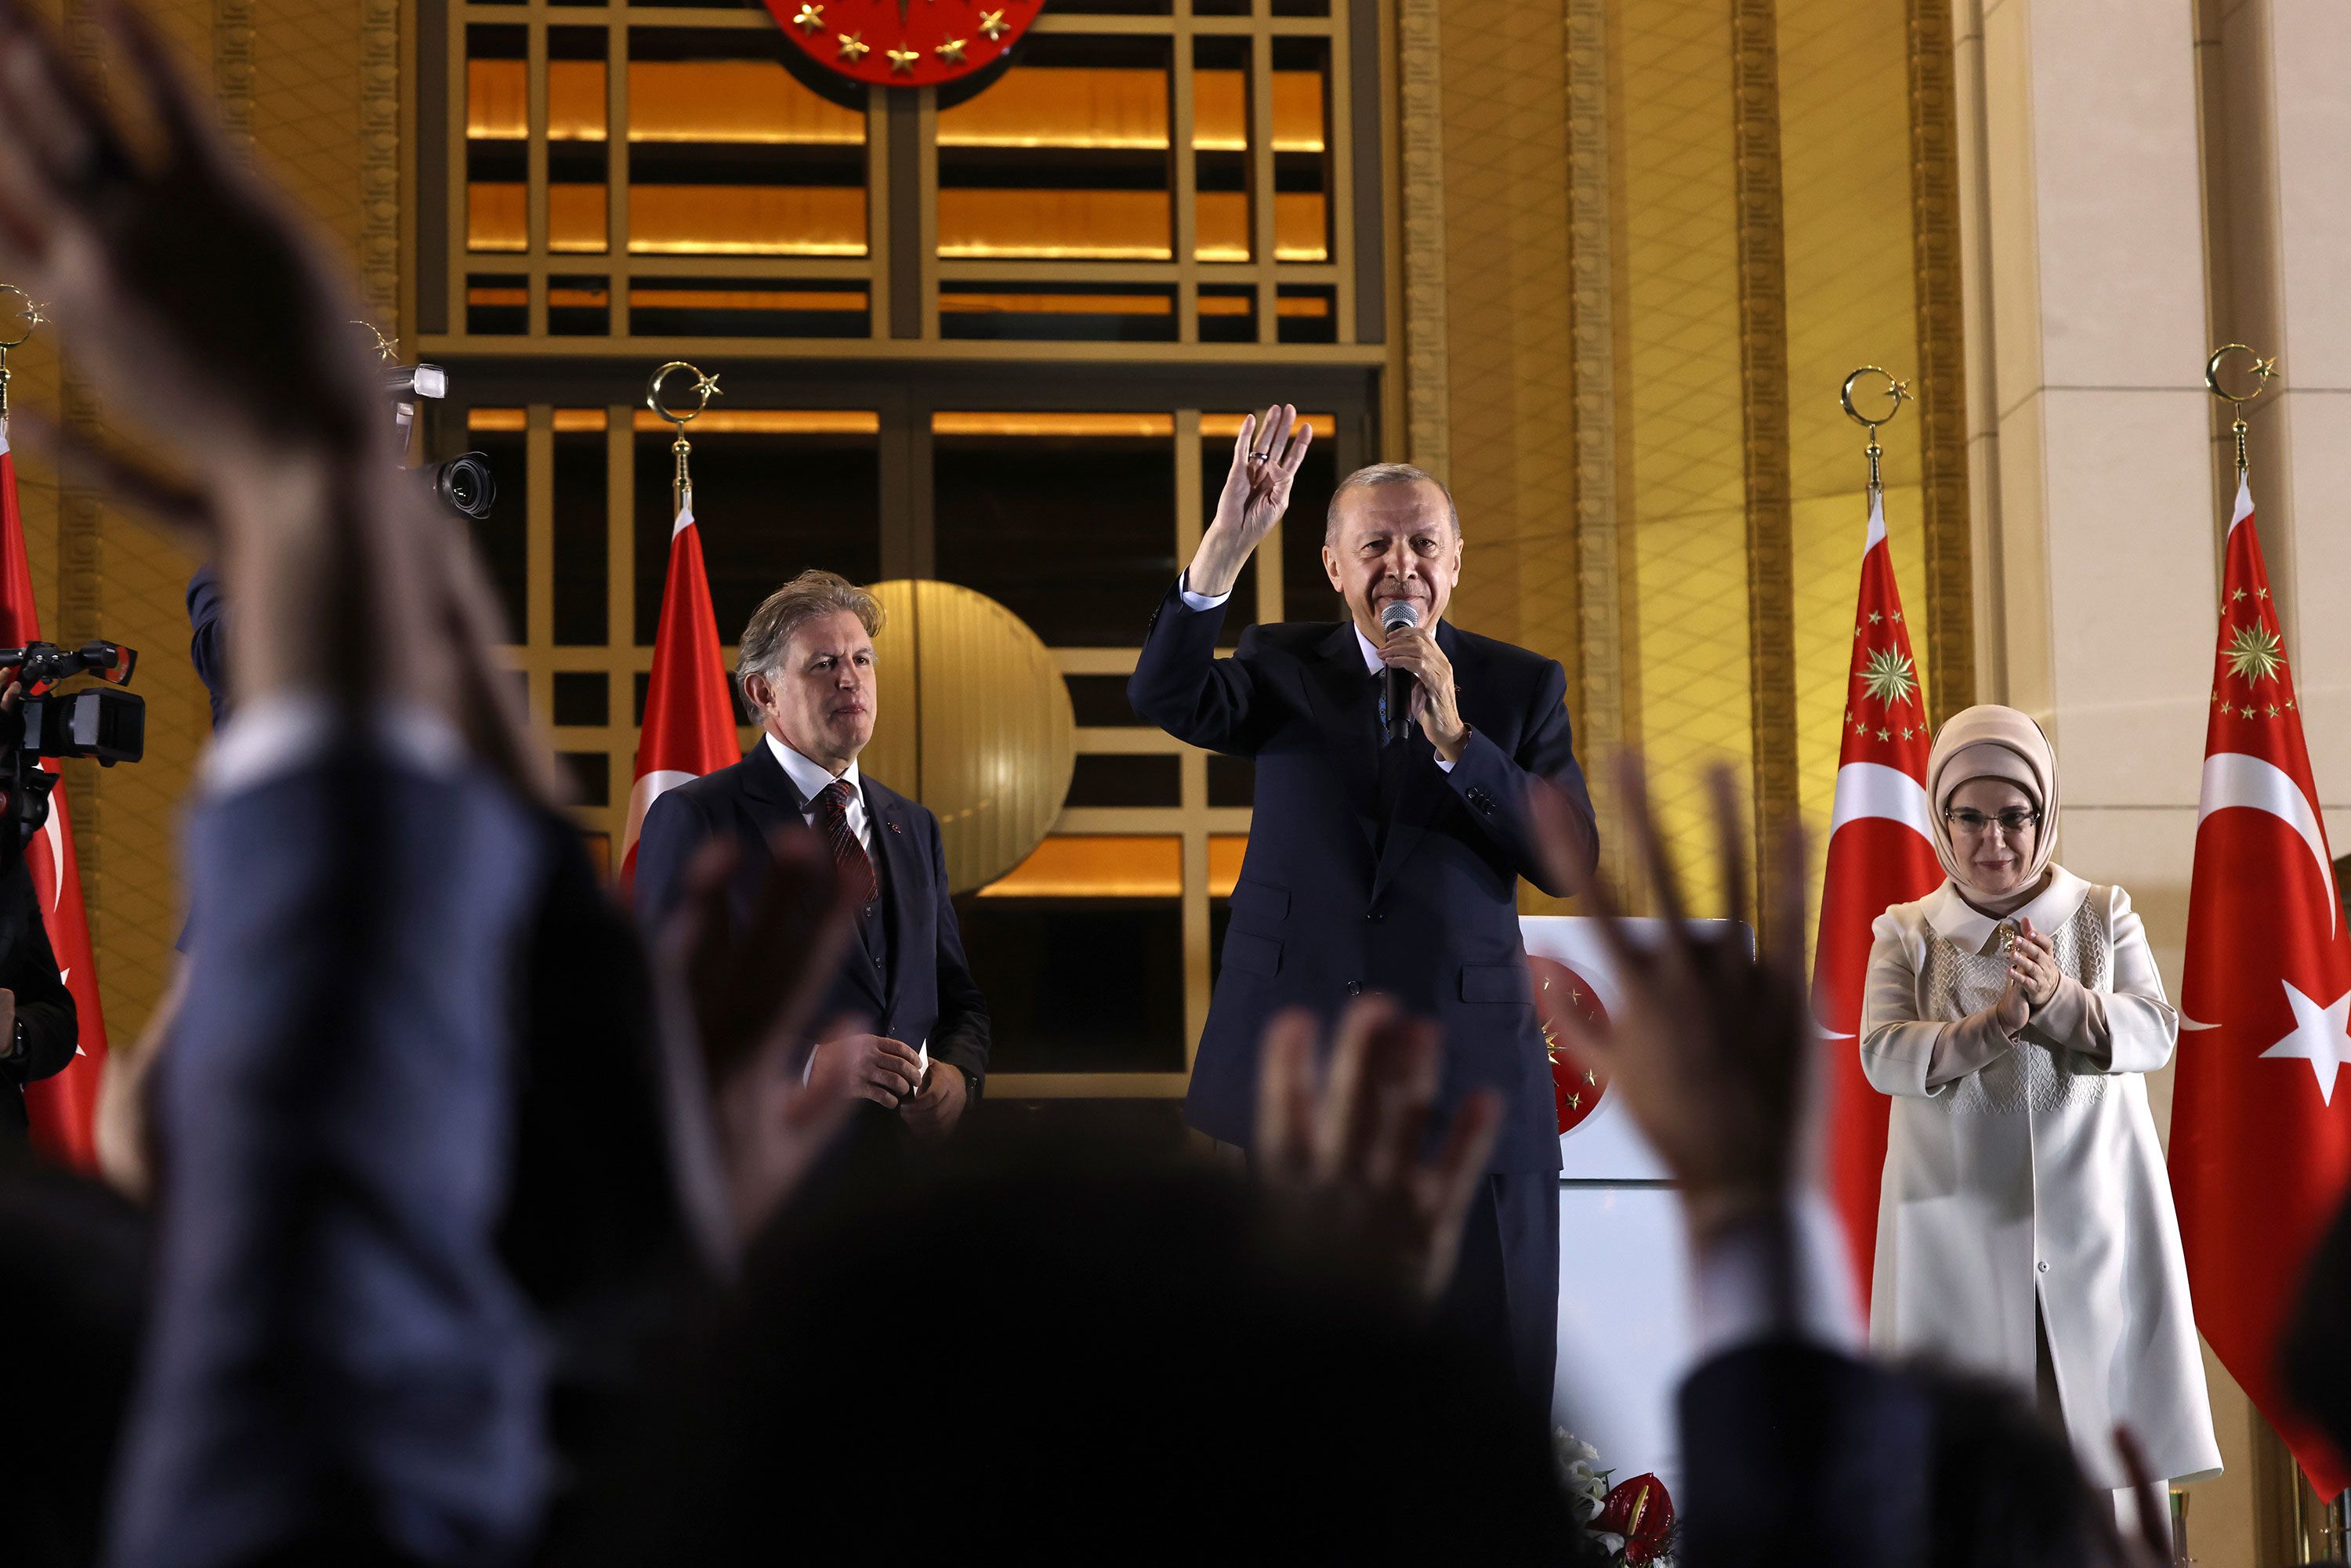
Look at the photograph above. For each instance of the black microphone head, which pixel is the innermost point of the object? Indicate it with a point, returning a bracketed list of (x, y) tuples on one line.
[(1399, 613)]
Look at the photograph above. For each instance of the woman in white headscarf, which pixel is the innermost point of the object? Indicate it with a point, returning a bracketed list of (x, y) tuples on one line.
[(2025, 1227)]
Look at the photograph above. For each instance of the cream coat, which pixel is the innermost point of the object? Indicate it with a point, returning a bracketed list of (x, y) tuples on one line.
[(2025, 1173)]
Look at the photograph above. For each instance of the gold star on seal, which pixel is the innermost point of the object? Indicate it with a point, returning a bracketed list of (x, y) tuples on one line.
[(1889, 677), (951, 51), (902, 61), (1882, 734), (810, 19), (2246, 711), (992, 22), (2255, 653), (1876, 619), (1589, 1076), (853, 47), (1575, 1102)]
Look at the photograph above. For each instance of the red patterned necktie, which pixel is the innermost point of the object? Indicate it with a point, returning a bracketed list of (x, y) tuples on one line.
[(856, 866)]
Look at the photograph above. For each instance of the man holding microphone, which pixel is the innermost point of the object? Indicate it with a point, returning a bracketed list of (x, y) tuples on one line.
[(1397, 760)]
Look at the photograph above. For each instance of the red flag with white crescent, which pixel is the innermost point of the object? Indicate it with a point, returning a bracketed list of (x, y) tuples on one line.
[(1881, 852), (689, 723), (61, 1106), (2261, 1153)]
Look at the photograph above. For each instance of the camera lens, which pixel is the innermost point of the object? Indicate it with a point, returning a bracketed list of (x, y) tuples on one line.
[(466, 484)]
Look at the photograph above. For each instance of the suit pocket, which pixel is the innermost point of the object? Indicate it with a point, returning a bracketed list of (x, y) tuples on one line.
[(1252, 955), (1494, 983), (1258, 906)]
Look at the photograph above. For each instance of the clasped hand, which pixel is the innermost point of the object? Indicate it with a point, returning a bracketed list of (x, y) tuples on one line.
[(2032, 978)]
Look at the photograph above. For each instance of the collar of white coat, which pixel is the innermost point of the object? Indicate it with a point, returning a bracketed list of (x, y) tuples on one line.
[(811, 778), (1955, 919)]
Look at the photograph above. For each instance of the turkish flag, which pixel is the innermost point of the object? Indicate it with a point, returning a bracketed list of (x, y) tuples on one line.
[(2261, 1155), (1881, 853), (61, 1105), (689, 723)]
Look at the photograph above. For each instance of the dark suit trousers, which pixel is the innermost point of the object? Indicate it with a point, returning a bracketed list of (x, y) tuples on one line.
[(1505, 1293)]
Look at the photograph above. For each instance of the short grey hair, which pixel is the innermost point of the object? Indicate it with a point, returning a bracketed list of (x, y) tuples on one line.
[(1380, 474), (803, 599)]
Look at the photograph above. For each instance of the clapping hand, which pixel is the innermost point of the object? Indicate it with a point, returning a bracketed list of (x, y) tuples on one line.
[(750, 996), (1266, 457), (1344, 1150), (1709, 1048), (2032, 965)]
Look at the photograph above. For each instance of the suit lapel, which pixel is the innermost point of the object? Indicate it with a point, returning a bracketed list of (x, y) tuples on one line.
[(905, 877), (1341, 691), (1425, 783)]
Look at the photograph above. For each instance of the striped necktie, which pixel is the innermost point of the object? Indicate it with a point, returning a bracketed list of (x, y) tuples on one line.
[(856, 866)]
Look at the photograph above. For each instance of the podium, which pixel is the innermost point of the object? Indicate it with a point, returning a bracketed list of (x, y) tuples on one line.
[(1626, 1326)]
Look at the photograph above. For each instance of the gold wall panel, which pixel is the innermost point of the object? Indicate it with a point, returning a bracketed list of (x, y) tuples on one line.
[(1845, 160), (973, 719), (1684, 483), (1509, 357), (1763, 396)]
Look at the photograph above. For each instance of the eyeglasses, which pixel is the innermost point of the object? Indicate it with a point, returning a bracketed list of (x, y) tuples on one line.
[(2014, 823)]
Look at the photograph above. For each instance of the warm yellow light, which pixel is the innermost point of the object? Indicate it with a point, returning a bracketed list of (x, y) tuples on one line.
[(1129, 225), (641, 298), (575, 100), (1224, 426), (578, 421), (746, 220), (1058, 304), (494, 419), (772, 421), (734, 101), (1225, 852), (991, 423), (1133, 866), (495, 217)]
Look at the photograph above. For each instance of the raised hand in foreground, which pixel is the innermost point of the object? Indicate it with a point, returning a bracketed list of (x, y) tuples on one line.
[(737, 1007), (1343, 1150), (1709, 1047)]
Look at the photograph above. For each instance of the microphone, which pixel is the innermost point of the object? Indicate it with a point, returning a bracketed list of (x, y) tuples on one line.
[(1396, 684)]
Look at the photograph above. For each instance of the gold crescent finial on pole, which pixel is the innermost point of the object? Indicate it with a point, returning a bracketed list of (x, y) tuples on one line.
[(1896, 394), (386, 349), (704, 388), (32, 319), (2264, 372)]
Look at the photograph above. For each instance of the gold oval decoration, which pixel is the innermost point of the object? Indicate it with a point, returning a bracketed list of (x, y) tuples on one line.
[(973, 720)]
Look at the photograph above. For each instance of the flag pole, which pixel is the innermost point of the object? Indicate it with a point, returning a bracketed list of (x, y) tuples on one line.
[(33, 318), (1896, 392), (2263, 371), (704, 388)]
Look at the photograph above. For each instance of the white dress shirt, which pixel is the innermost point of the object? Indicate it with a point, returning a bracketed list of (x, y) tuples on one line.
[(1372, 662), (810, 779)]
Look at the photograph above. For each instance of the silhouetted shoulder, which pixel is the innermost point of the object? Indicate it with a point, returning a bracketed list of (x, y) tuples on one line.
[(1506, 658), (711, 787), (1298, 639)]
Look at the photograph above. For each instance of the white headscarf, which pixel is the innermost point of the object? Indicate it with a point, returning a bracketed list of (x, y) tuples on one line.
[(1993, 742)]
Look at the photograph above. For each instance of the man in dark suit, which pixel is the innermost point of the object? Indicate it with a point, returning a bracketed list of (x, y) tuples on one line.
[(1384, 865), (807, 667)]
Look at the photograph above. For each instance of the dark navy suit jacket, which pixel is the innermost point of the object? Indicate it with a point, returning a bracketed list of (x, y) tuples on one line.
[(1321, 914), (926, 994)]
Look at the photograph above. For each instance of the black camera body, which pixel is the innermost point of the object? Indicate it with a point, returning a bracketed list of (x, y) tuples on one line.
[(98, 722)]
